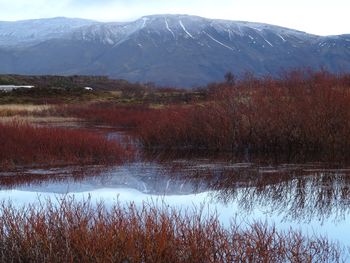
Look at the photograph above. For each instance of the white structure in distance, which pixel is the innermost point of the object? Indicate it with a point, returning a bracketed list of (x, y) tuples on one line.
[(7, 88)]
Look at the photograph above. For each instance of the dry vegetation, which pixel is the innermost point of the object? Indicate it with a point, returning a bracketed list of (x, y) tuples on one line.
[(23, 144), (34, 114), (23, 110), (79, 232), (303, 112), (108, 113), (308, 114)]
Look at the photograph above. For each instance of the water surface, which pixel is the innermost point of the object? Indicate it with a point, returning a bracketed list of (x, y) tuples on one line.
[(313, 197)]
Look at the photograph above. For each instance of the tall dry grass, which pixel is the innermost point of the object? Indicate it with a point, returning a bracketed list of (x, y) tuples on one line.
[(9, 110), (42, 114), (80, 232)]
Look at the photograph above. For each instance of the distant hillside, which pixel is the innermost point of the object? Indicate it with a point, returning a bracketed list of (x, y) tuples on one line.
[(97, 82), (172, 50)]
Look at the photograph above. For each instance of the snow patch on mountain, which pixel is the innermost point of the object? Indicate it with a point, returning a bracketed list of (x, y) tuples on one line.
[(217, 41), (144, 22), (168, 28), (184, 29), (281, 37), (268, 42)]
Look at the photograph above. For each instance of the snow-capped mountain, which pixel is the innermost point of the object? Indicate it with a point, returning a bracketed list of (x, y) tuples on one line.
[(176, 50), (177, 27), (34, 31)]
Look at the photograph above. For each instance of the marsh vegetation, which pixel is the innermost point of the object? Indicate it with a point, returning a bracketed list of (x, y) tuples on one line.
[(254, 144)]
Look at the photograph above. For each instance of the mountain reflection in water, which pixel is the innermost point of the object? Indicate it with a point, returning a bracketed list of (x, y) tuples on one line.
[(299, 193)]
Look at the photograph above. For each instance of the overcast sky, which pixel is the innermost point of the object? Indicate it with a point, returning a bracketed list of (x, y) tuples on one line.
[(322, 17)]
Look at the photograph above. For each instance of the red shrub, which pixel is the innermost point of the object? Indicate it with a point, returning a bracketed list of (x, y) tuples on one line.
[(22, 144), (303, 112), (78, 232)]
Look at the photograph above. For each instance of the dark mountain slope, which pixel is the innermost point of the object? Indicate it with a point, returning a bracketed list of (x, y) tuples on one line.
[(176, 50)]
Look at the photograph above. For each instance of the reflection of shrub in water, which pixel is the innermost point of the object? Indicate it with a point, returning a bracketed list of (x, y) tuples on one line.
[(300, 193), (71, 231), (66, 175)]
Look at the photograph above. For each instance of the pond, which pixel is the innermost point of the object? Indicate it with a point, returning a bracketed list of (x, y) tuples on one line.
[(311, 197)]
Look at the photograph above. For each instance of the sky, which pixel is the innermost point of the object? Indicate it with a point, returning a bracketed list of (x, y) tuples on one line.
[(321, 17)]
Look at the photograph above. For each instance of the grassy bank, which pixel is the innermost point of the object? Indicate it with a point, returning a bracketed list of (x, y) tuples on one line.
[(108, 113)]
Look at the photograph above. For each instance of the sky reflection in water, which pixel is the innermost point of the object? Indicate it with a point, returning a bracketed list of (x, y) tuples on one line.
[(310, 197)]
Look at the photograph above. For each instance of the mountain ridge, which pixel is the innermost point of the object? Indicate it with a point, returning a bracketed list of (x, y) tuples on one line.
[(172, 50)]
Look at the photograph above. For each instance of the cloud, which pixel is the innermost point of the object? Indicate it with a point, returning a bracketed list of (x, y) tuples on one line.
[(314, 16), (92, 3), (22, 9)]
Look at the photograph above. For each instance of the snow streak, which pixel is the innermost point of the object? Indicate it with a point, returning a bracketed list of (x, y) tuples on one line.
[(183, 27), (220, 43), (168, 28)]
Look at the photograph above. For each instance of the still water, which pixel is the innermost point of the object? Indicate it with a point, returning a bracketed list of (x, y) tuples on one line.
[(313, 198)]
